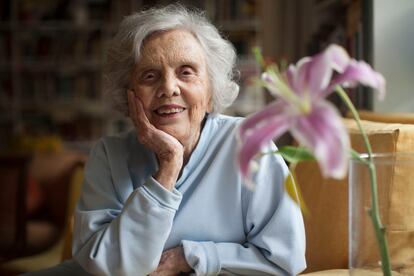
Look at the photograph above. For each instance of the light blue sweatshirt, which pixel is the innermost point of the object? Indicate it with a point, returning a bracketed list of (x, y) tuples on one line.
[(125, 219)]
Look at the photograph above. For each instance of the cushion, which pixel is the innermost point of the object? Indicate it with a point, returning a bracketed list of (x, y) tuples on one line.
[(327, 199), (331, 272), (393, 118)]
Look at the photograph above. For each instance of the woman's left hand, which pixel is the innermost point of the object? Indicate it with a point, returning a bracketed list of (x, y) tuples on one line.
[(172, 263)]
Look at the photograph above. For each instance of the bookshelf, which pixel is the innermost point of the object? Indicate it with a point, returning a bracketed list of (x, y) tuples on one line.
[(293, 29), (241, 23), (347, 23), (51, 58)]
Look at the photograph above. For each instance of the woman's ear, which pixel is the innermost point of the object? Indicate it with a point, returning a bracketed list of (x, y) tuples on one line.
[(128, 91)]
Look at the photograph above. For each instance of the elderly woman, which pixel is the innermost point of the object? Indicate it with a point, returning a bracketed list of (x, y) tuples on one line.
[(166, 198)]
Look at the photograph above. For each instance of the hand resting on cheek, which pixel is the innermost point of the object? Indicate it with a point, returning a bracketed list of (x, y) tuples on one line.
[(168, 149)]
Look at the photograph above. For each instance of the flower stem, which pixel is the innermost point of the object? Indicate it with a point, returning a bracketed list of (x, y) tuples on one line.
[(374, 211)]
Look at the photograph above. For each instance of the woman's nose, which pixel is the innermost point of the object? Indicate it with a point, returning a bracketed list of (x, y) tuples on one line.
[(168, 87)]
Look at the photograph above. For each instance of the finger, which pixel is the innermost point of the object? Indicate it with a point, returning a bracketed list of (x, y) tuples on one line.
[(132, 107), (164, 256), (135, 115), (162, 260), (141, 117), (138, 116), (160, 269)]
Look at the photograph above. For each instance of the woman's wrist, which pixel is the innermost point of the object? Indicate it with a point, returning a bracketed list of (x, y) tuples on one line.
[(167, 174)]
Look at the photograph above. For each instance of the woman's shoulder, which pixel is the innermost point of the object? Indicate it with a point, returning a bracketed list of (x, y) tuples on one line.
[(119, 143), (227, 121), (219, 130)]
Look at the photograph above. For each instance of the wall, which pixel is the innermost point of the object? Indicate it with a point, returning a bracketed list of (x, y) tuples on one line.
[(394, 53)]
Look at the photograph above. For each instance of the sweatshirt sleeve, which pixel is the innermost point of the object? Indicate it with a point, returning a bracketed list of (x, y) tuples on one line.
[(112, 237), (275, 235)]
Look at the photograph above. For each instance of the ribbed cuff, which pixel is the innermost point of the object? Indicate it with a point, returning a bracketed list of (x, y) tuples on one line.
[(202, 257), (170, 199)]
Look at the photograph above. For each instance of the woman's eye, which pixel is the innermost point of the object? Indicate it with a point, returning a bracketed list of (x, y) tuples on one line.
[(187, 71), (149, 76)]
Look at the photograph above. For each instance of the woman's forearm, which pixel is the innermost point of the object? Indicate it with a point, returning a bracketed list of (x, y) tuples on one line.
[(108, 243)]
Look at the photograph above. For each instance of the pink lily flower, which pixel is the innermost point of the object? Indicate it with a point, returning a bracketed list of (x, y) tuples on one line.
[(302, 109)]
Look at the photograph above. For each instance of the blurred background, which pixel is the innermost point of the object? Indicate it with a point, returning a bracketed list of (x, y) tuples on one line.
[(52, 108)]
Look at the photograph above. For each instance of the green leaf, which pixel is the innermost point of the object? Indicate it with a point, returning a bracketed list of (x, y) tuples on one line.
[(294, 154)]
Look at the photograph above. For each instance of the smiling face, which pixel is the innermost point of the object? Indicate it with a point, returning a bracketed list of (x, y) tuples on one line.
[(172, 82)]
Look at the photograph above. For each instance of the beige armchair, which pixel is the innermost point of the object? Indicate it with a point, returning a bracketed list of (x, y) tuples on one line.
[(60, 176)]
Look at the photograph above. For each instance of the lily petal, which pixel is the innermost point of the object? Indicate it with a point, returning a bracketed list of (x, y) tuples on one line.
[(260, 117), (322, 67), (297, 75), (324, 133), (359, 72), (257, 136)]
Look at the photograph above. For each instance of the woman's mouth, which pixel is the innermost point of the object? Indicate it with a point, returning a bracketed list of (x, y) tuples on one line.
[(169, 111)]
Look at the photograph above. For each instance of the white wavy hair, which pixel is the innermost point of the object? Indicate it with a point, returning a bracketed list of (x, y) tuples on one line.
[(125, 48)]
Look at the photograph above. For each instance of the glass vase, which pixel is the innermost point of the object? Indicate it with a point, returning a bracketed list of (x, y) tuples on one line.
[(395, 186)]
